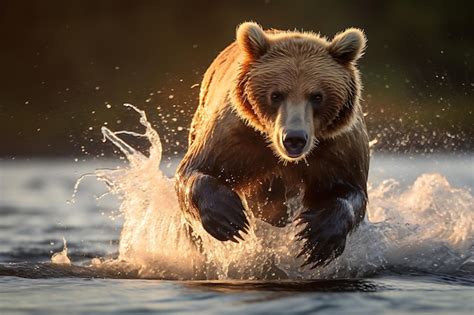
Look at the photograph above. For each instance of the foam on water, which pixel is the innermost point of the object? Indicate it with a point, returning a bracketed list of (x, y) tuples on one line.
[(427, 227)]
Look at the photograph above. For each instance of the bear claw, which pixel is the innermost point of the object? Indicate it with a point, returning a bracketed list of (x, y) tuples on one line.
[(221, 210), (224, 228), (324, 239)]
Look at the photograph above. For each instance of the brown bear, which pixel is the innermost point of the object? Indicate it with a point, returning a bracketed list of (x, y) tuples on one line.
[(279, 115)]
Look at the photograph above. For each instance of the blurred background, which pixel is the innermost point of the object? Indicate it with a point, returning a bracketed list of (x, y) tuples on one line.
[(68, 66)]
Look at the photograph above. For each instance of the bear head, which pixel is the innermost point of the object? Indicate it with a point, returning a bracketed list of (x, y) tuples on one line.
[(297, 88)]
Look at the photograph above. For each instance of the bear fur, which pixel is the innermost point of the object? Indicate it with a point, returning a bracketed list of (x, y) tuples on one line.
[(259, 90)]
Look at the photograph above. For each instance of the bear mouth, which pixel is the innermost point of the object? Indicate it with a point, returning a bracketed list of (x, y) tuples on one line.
[(294, 155)]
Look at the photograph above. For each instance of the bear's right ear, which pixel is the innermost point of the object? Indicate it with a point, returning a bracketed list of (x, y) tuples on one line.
[(252, 40), (348, 46)]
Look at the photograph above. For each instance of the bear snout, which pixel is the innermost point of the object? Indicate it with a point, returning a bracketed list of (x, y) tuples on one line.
[(294, 142)]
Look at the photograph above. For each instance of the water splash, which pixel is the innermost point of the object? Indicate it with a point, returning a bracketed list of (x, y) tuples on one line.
[(427, 227), (61, 258)]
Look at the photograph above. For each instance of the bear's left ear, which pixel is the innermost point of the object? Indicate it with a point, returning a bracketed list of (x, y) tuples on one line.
[(252, 40), (348, 46)]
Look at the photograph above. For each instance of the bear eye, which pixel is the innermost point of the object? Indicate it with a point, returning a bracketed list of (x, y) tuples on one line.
[(316, 98), (277, 97)]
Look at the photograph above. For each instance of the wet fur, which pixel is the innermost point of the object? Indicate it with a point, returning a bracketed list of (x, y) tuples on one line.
[(230, 154)]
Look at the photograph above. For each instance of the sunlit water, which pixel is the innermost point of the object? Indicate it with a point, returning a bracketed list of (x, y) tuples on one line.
[(414, 253)]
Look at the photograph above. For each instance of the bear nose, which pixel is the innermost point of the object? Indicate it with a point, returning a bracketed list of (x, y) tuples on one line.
[(294, 142)]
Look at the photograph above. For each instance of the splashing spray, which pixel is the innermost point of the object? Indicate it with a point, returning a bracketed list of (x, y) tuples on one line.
[(427, 227)]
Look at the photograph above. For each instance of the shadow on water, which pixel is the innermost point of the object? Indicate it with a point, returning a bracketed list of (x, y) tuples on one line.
[(339, 285), (51, 271)]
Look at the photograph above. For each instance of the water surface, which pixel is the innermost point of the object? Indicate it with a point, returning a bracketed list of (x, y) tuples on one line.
[(127, 252)]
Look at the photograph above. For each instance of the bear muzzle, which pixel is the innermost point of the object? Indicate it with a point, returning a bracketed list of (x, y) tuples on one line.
[(294, 142)]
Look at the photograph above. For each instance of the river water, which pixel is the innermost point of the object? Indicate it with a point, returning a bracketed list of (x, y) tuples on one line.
[(116, 244)]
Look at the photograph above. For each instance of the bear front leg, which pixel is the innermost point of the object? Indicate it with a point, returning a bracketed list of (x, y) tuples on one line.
[(330, 216), (216, 205)]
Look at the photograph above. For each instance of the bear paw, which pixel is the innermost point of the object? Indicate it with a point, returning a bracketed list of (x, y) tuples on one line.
[(221, 210), (324, 237)]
